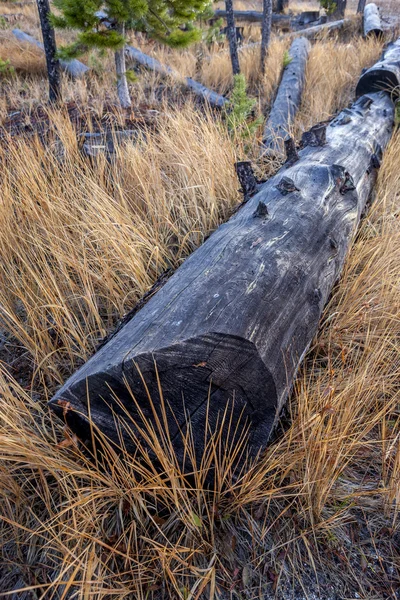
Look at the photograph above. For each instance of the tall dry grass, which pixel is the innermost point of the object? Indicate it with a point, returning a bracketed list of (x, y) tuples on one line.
[(320, 510)]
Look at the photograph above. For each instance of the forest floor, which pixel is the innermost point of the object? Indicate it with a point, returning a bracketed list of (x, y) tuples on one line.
[(82, 241)]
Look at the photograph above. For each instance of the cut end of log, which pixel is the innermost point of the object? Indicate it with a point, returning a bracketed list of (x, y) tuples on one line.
[(198, 379)]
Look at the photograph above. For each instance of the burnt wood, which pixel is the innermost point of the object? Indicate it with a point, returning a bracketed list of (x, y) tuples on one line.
[(231, 326), (384, 75), (50, 50), (372, 21), (288, 98)]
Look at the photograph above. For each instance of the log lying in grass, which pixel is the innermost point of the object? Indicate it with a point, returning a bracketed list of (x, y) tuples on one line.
[(288, 98), (74, 67), (154, 65), (235, 320), (309, 32), (384, 75), (251, 16), (372, 21)]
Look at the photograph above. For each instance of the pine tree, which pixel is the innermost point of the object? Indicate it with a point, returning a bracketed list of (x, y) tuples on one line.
[(102, 24)]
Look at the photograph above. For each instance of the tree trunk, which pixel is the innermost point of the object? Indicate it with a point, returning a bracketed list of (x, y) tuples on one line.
[(120, 67), (288, 98), (372, 21), (74, 67), (265, 33), (154, 65), (361, 6), (231, 34), (50, 50), (231, 326), (280, 5), (340, 9), (384, 75)]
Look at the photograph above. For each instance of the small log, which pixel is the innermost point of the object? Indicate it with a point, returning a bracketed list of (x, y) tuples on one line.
[(154, 65), (372, 21), (251, 16), (309, 32), (231, 326), (384, 75), (74, 67), (288, 98)]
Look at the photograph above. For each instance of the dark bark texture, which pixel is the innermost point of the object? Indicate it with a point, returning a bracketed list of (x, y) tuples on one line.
[(265, 33), (231, 326), (361, 6), (74, 67), (231, 35), (154, 65), (372, 21), (288, 98), (384, 75), (50, 50), (280, 5), (340, 10)]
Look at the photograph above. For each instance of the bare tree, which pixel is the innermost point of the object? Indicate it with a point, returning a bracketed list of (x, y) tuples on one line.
[(50, 48), (361, 6), (120, 67), (265, 33), (340, 9), (231, 34)]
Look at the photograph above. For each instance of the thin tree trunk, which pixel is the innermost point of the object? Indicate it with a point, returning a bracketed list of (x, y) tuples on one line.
[(361, 6), (280, 5), (50, 49), (231, 34), (265, 33), (120, 67), (340, 9)]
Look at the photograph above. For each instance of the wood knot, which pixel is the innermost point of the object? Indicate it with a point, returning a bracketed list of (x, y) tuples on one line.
[(286, 186), (316, 136), (261, 210)]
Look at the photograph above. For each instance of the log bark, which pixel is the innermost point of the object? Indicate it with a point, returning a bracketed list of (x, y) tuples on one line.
[(372, 21), (231, 35), (384, 75), (154, 65), (74, 67), (231, 326), (288, 98), (50, 50)]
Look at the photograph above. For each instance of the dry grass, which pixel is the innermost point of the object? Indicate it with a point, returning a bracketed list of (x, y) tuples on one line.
[(80, 244)]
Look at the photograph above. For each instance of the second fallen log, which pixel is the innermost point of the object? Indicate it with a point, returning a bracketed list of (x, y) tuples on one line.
[(372, 21), (152, 64), (287, 101), (231, 326), (384, 75), (74, 68)]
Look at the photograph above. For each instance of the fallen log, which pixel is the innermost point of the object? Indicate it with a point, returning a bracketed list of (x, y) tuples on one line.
[(154, 65), (372, 21), (251, 16), (309, 32), (231, 326), (384, 75), (74, 67), (288, 98)]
